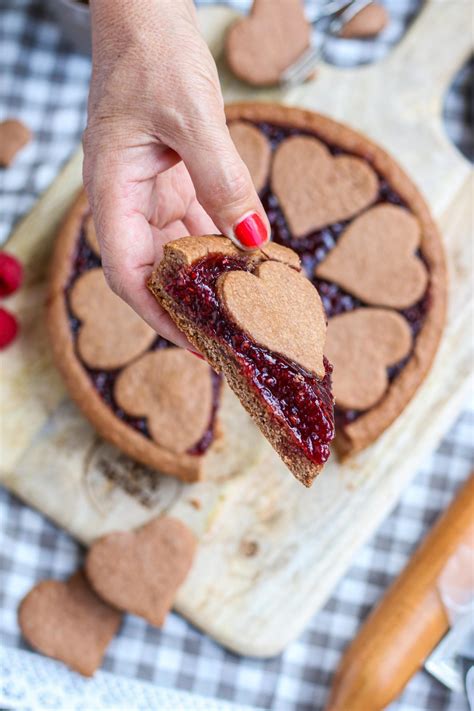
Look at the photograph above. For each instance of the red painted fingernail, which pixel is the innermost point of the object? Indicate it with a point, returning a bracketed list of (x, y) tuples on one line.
[(198, 355), (8, 328), (251, 231), (11, 274)]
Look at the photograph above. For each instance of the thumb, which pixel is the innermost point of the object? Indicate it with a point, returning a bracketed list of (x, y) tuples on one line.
[(223, 184)]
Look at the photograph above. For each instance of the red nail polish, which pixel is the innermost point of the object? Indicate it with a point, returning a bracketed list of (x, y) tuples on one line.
[(251, 231), (8, 328), (198, 355)]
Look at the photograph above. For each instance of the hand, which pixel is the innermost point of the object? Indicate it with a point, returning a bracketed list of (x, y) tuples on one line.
[(159, 162)]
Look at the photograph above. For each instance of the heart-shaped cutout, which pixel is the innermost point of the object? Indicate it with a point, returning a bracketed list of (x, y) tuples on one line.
[(111, 334), (280, 310), (374, 259), (140, 571), (368, 22), (315, 189), (254, 149), (361, 345), (173, 390), (261, 46), (68, 621)]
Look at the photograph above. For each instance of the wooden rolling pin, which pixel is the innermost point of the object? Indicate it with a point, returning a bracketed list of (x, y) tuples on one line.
[(407, 623)]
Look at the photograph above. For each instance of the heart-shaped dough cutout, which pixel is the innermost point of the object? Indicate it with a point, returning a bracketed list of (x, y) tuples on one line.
[(111, 334), (361, 345), (280, 310), (368, 22), (140, 571), (254, 149), (68, 621), (261, 46), (173, 390), (315, 189), (374, 259)]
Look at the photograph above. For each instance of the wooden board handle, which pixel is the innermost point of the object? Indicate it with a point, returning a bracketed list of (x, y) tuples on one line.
[(433, 50), (407, 623)]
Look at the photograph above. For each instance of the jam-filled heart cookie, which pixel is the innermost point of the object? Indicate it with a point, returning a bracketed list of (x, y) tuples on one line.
[(161, 406), (366, 239), (258, 320)]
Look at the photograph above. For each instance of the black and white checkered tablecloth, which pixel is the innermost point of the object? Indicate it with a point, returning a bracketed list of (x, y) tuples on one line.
[(44, 82)]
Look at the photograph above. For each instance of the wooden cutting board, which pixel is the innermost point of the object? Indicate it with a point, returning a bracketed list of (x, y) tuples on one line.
[(270, 551)]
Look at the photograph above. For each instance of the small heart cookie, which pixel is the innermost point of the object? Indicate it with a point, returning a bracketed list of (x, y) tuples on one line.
[(254, 149), (140, 571), (361, 345), (261, 46), (280, 310), (173, 390), (315, 189), (67, 621), (368, 22), (13, 136), (111, 334), (374, 258)]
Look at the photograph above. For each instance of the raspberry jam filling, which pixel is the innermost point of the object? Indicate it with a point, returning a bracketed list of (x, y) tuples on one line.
[(104, 380), (296, 398), (315, 246)]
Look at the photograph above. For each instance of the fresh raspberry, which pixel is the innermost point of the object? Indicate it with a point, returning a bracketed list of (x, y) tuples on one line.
[(11, 274), (8, 328)]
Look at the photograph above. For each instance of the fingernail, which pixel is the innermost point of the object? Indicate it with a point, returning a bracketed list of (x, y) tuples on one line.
[(251, 231), (198, 355)]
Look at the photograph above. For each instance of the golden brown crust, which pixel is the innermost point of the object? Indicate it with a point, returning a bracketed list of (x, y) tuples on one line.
[(185, 466), (370, 425)]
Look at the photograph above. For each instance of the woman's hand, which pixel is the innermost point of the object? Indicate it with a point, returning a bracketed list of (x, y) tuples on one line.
[(159, 161)]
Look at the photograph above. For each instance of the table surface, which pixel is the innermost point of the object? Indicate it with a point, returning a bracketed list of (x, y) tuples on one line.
[(44, 82)]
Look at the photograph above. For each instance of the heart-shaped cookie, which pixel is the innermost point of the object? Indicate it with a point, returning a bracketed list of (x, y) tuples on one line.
[(368, 22), (68, 621), (375, 258), (254, 149), (111, 334), (280, 310), (173, 390), (315, 189), (361, 345), (261, 46), (140, 571)]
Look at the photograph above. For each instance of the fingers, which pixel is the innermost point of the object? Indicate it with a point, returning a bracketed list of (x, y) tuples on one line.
[(130, 246), (222, 182), (197, 221)]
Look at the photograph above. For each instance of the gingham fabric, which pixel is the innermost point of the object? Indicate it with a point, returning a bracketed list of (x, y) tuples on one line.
[(44, 82)]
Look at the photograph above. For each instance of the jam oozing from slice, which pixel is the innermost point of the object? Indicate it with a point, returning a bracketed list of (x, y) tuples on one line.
[(104, 380), (297, 399)]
